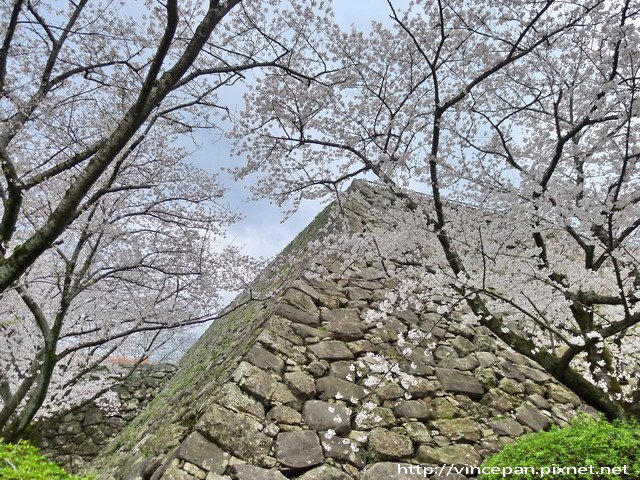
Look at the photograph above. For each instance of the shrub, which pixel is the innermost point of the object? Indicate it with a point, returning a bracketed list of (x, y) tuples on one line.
[(21, 461), (585, 442)]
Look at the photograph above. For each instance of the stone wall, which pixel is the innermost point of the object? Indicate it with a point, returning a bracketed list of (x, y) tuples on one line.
[(290, 399), (74, 438)]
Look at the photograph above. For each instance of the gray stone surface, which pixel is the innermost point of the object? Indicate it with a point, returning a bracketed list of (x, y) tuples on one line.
[(325, 472), (528, 415), (198, 450), (299, 450), (459, 429), (384, 444), (236, 433), (320, 415), (412, 409), (388, 471), (507, 426), (231, 396), (249, 472), (329, 387), (457, 382), (262, 358), (331, 350), (296, 315), (301, 384), (458, 454)]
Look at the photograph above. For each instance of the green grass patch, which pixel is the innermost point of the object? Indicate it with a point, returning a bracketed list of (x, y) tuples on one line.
[(584, 443), (22, 461)]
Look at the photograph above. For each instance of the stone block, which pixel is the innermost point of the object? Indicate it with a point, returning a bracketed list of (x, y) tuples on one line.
[(319, 415), (384, 444), (457, 382), (299, 450)]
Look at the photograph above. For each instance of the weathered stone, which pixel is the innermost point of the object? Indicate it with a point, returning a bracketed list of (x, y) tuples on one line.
[(510, 370), (589, 410), (371, 273), (305, 331), (256, 382), (281, 328), (421, 388), (194, 470), (144, 468), (441, 408), (560, 394), (329, 387), (511, 386), (470, 362), (389, 471), (206, 455), (232, 397), (444, 351), (532, 388), (390, 391), (318, 368), (419, 362), (515, 357), (175, 473), (535, 374), (244, 471), (343, 369), (301, 300), (456, 382), (342, 449), (498, 400), (320, 415), (301, 384), (298, 450), (325, 472), (263, 358), (507, 426), (286, 348), (486, 377), (362, 346), (282, 394), (284, 414), (485, 343), (344, 330), (384, 444), (378, 417), (93, 417), (356, 293), (331, 350), (418, 432), (459, 454), (235, 433), (412, 409), (297, 315), (532, 418), (459, 429), (539, 401), (486, 359), (339, 315), (462, 345)]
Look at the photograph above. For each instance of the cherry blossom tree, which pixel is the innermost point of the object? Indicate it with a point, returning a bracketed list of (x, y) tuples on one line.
[(108, 241), (520, 121)]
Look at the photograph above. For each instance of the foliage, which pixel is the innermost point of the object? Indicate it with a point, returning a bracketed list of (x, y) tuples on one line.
[(584, 442), (520, 120), (21, 461), (109, 242)]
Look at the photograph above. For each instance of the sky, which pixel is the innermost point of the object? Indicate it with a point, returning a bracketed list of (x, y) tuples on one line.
[(262, 232)]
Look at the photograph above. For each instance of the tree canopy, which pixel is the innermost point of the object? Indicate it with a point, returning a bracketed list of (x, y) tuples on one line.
[(520, 121)]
